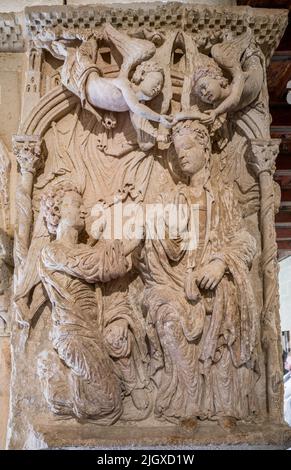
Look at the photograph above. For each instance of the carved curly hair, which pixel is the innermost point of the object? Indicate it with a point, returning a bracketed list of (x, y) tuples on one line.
[(209, 68), (51, 202), (144, 68), (196, 129)]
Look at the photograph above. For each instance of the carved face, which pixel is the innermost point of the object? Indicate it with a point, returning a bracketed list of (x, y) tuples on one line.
[(191, 154), (71, 211), (151, 85), (209, 90)]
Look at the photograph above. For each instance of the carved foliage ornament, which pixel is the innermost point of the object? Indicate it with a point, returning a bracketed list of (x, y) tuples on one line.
[(28, 153)]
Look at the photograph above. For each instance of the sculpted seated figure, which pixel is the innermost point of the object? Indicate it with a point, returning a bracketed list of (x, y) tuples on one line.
[(79, 378), (202, 316)]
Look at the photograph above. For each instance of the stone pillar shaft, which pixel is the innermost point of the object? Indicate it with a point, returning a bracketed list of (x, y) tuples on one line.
[(264, 154), (28, 153)]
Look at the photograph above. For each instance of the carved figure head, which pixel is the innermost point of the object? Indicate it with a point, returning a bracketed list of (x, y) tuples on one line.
[(192, 143), (149, 76), (209, 82), (63, 203)]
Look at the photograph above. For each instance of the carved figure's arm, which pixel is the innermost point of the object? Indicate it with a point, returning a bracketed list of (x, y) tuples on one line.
[(192, 113), (104, 262), (234, 98), (135, 106)]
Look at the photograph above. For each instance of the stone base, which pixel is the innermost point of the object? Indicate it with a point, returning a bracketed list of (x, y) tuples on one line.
[(57, 434)]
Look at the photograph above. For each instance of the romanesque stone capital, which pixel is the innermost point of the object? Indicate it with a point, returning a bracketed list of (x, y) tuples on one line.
[(263, 155), (27, 149)]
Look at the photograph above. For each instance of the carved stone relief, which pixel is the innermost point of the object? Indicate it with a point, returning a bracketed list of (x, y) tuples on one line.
[(116, 322)]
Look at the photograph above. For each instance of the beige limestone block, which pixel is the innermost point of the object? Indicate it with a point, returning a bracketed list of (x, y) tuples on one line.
[(10, 94), (11, 79)]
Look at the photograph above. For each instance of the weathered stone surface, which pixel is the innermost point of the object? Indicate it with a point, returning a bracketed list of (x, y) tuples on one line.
[(11, 71), (53, 435), (123, 318)]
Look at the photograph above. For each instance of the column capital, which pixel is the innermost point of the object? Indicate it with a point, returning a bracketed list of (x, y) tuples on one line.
[(263, 155), (27, 149)]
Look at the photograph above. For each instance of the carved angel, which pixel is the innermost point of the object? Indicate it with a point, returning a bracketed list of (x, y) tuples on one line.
[(81, 75), (242, 60)]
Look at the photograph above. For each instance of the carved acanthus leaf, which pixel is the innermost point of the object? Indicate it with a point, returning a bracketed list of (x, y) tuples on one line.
[(263, 155), (28, 153)]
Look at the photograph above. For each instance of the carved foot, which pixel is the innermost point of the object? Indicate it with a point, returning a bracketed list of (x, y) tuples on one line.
[(140, 399), (189, 423), (228, 423)]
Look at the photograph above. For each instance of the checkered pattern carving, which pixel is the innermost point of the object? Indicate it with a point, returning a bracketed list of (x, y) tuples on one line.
[(11, 34)]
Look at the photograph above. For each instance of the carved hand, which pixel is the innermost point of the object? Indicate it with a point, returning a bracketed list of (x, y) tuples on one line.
[(167, 121), (191, 114), (180, 117), (209, 116), (211, 274)]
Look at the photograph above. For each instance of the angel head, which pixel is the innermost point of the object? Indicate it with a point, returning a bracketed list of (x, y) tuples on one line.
[(149, 78), (192, 144), (209, 82), (62, 204)]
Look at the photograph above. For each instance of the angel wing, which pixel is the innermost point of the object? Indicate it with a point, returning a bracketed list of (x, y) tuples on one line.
[(133, 50), (228, 53), (192, 57), (50, 41), (163, 57)]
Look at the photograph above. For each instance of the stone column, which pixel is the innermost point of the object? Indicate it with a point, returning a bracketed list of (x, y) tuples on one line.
[(263, 157), (28, 153)]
